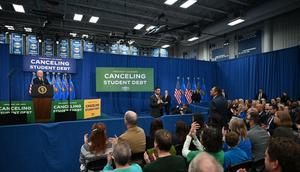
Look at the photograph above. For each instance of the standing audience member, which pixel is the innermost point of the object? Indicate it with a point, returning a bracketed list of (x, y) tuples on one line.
[(167, 102), (218, 106), (134, 135), (180, 132), (234, 155), (165, 161), (205, 163), (258, 136), (121, 155), (211, 142), (155, 125), (282, 155), (95, 147)]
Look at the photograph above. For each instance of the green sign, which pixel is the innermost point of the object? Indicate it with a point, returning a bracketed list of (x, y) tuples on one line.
[(57, 106), (124, 79)]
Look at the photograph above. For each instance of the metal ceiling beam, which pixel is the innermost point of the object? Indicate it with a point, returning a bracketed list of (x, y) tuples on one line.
[(240, 2), (159, 9), (210, 8)]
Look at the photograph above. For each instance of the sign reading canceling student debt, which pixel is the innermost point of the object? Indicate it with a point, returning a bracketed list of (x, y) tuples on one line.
[(124, 79)]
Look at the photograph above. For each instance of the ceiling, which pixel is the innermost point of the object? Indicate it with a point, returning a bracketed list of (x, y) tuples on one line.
[(118, 17)]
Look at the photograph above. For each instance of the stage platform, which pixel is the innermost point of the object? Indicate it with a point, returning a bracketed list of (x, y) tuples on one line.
[(55, 146)]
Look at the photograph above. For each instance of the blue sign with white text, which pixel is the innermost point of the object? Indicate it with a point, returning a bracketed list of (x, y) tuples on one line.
[(89, 46), (76, 49), (16, 44), (33, 45), (63, 50), (48, 48), (46, 64), (249, 43)]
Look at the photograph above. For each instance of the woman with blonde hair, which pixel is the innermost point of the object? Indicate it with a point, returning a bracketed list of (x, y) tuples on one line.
[(95, 147), (238, 126)]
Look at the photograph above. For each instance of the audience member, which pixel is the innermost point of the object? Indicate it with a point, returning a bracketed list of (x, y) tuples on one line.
[(205, 163), (282, 155), (284, 98), (198, 117), (258, 136), (234, 155), (262, 114), (180, 132), (238, 125), (95, 147), (284, 126), (121, 155), (165, 161), (211, 142), (155, 125), (218, 106), (134, 135), (260, 95)]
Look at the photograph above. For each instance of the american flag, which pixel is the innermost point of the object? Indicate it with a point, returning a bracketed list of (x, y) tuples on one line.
[(188, 92), (177, 93), (188, 95), (31, 83)]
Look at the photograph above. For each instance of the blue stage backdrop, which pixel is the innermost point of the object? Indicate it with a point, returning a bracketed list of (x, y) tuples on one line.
[(274, 72), (166, 71)]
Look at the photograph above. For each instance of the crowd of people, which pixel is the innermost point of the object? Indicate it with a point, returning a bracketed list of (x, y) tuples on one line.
[(261, 132)]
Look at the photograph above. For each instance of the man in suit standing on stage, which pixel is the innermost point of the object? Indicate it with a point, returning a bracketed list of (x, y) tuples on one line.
[(167, 102), (156, 104), (218, 107), (40, 80)]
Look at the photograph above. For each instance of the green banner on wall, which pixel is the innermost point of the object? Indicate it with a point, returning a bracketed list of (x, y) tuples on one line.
[(57, 106), (124, 79)]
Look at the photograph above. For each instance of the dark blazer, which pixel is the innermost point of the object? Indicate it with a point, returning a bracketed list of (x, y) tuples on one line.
[(218, 106), (36, 81), (155, 109), (196, 97), (264, 96)]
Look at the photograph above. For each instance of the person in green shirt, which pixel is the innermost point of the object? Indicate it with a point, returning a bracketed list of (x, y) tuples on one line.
[(211, 142), (121, 155), (165, 161)]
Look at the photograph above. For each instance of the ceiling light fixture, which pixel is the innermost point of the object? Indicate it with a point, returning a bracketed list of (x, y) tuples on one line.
[(85, 36), (73, 34), (94, 19), (0, 7), (28, 29), (236, 21), (150, 28), (77, 17), (19, 8), (188, 3), (139, 26), (170, 2), (193, 39), (165, 46), (9, 27)]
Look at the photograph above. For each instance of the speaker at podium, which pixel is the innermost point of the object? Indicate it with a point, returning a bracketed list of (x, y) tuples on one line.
[(42, 102)]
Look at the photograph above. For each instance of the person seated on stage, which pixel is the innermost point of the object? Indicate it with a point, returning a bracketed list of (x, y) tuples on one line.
[(196, 96), (210, 142), (185, 109), (95, 147), (234, 155), (134, 135), (164, 160), (121, 155), (282, 155), (40, 80), (205, 163)]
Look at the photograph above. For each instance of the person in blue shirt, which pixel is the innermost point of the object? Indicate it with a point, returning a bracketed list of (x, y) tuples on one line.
[(121, 155), (234, 155)]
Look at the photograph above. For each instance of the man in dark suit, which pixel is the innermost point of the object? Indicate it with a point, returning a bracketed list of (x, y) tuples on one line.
[(260, 95), (40, 80), (167, 102), (218, 108), (196, 96), (156, 104)]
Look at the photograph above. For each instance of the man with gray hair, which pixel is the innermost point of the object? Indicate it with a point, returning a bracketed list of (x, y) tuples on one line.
[(134, 135), (121, 155), (40, 80), (204, 162)]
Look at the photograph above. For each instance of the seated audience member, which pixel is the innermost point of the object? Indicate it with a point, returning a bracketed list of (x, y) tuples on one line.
[(234, 155), (95, 147), (155, 125), (180, 133), (205, 163), (121, 155), (273, 102), (284, 98), (260, 95), (258, 136), (134, 135), (270, 125), (284, 126), (282, 155), (164, 161), (211, 142), (238, 125), (262, 114)]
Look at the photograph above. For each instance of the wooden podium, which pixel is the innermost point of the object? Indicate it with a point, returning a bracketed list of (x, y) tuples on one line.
[(42, 102)]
